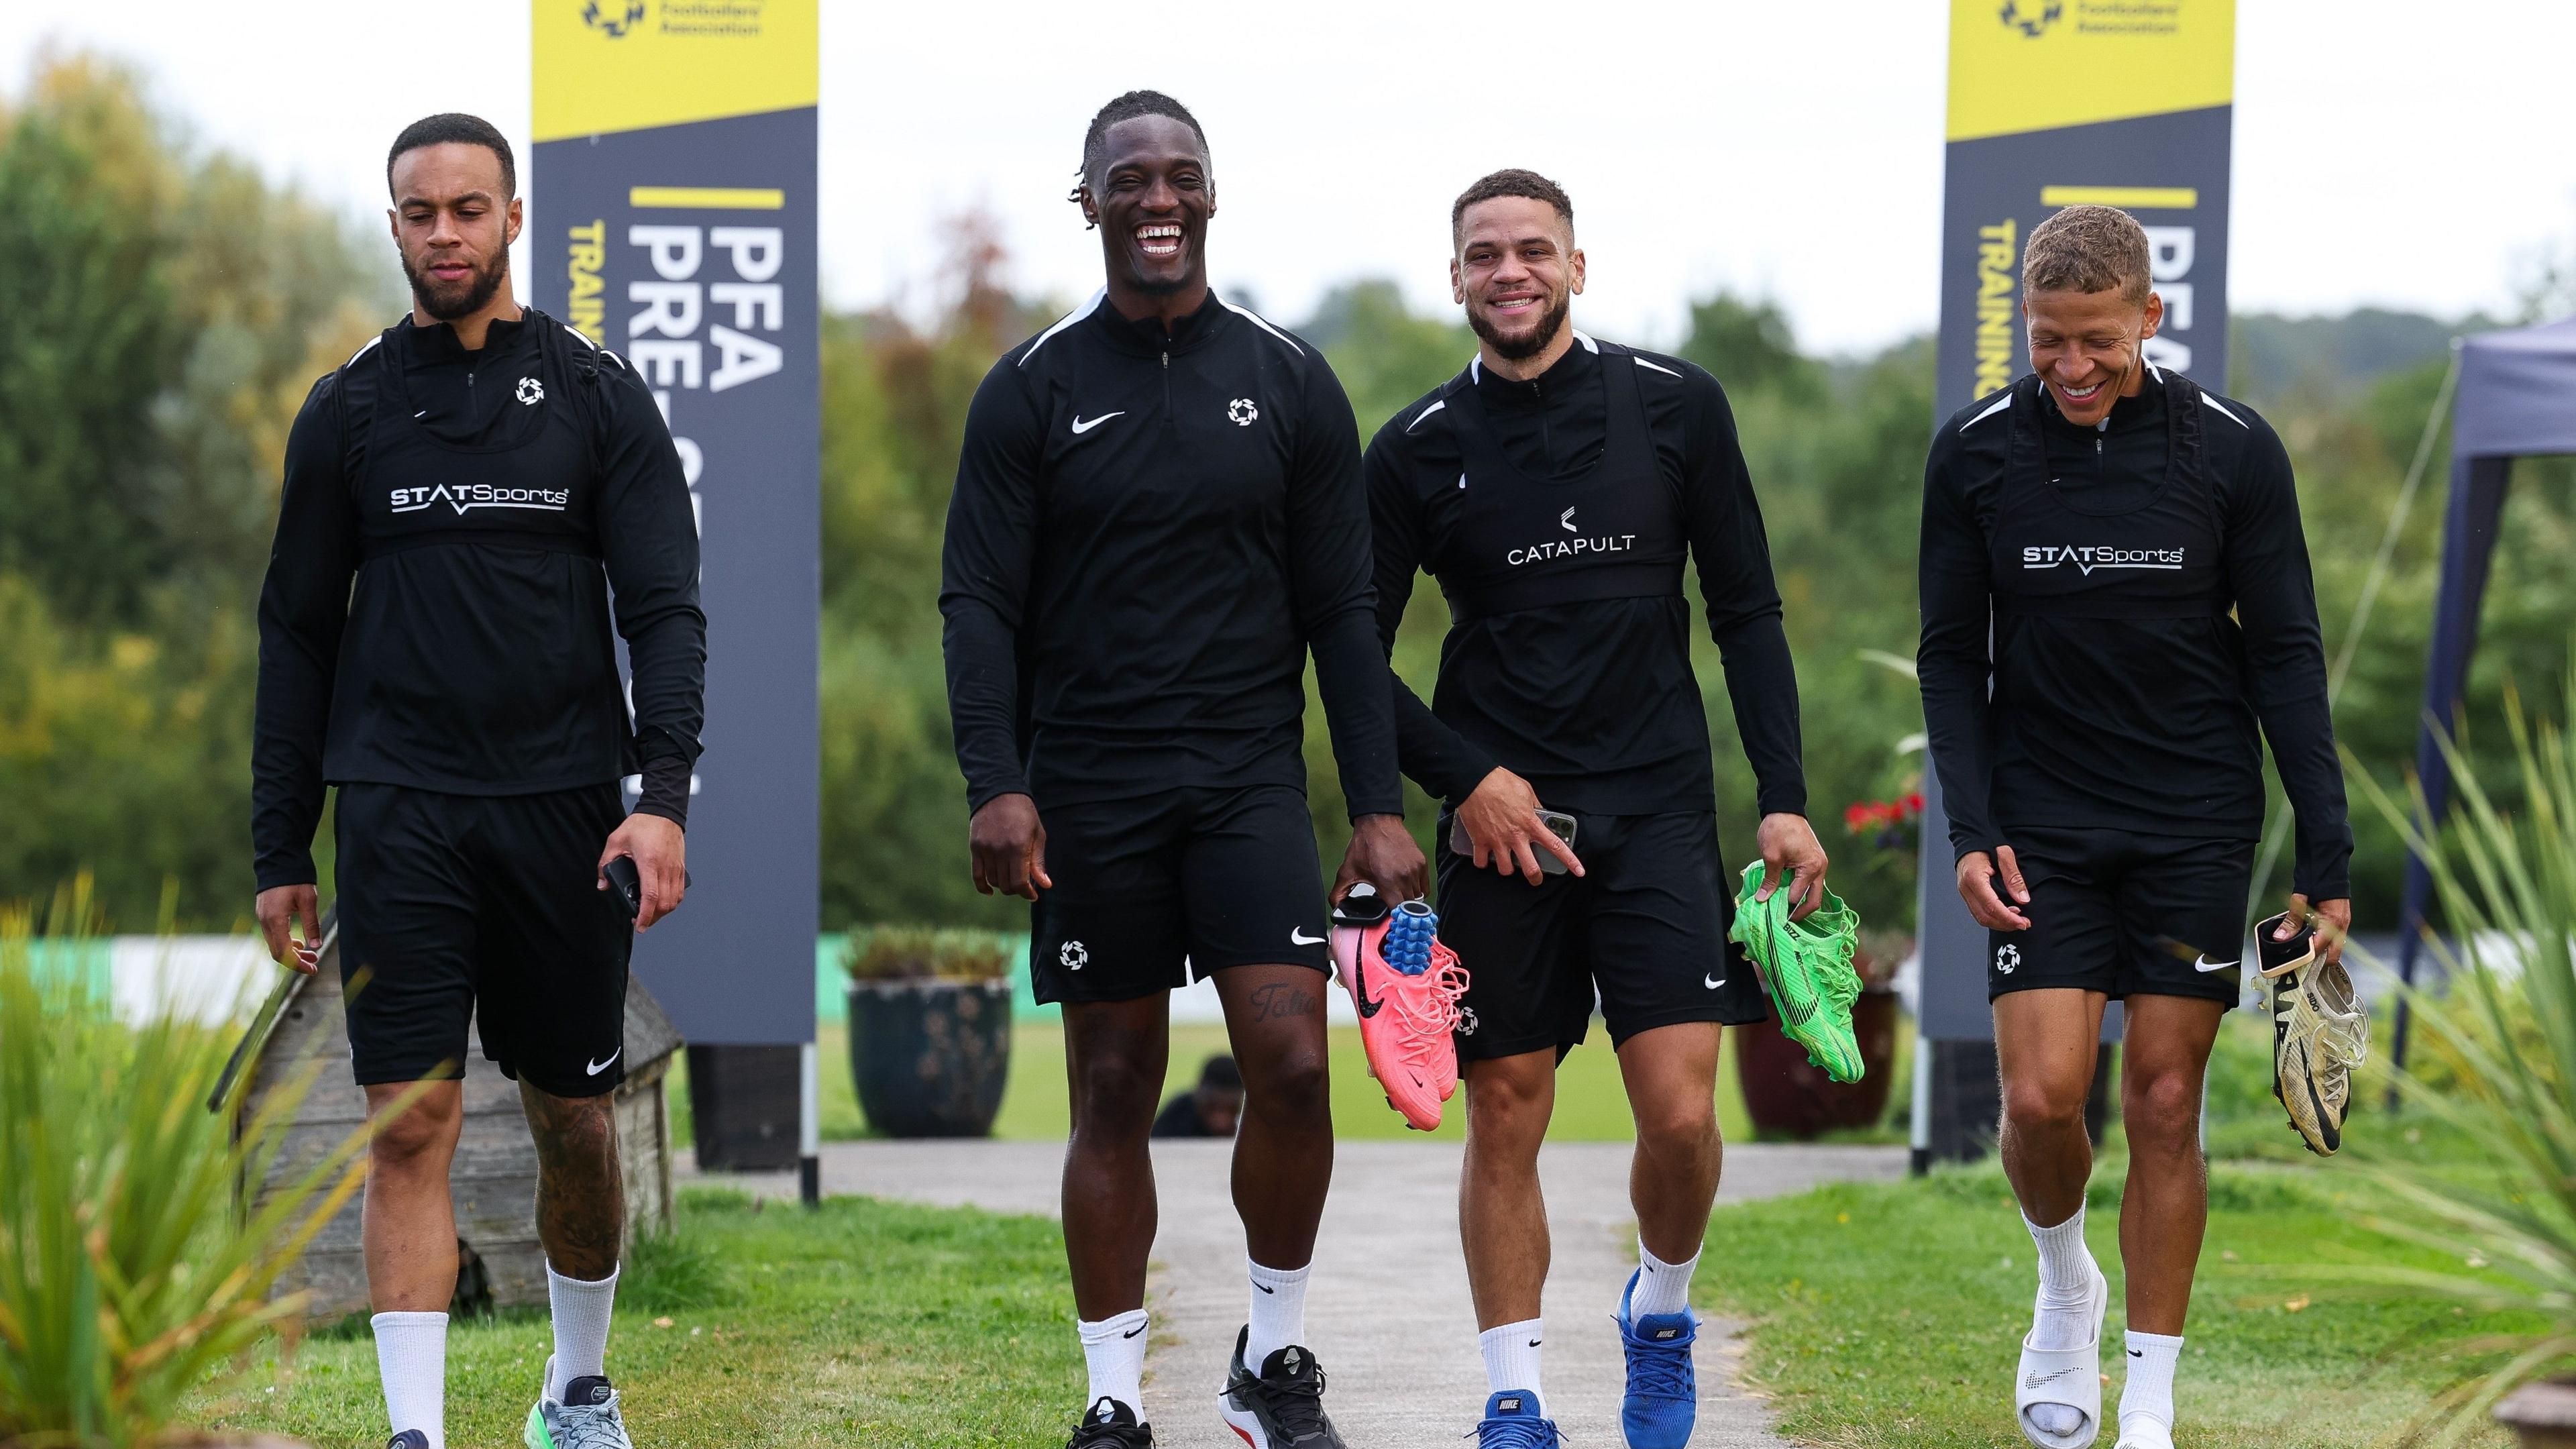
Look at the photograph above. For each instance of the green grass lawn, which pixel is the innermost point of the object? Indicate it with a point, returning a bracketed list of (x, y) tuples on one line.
[(1891, 1314), (1591, 1105), (863, 1322)]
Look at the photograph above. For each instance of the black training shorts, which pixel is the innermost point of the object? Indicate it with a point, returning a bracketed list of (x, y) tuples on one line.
[(1645, 926), (2125, 914), (1154, 889), (482, 907)]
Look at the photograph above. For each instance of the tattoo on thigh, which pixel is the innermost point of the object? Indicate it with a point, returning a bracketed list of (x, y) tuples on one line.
[(1280, 1000)]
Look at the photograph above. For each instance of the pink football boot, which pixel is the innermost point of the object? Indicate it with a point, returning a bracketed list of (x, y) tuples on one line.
[(1406, 986)]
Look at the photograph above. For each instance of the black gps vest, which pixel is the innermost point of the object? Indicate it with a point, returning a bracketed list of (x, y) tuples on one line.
[(1513, 542), (479, 630), (2053, 554)]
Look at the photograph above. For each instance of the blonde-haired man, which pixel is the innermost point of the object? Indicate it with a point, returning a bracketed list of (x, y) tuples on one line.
[(2116, 598)]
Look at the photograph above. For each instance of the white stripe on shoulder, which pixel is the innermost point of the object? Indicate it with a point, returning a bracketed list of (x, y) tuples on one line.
[(1652, 366), (361, 352), (1998, 405), (1476, 368), (1586, 339), (1426, 412), (2156, 372), (1259, 321), (2224, 413), (584, 336), (1067, 320)]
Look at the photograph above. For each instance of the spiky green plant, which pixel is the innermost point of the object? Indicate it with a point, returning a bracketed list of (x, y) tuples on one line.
[(129, 1275), (2504, 1041)]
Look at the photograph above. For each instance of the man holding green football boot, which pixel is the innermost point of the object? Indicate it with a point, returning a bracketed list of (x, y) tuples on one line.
[(1556, 488)]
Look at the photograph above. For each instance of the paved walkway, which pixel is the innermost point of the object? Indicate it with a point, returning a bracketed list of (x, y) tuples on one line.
[(1394, 1327)]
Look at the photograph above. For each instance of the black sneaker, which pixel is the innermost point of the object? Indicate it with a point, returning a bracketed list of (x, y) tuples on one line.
[(1283, 1406), (408, 1439), (1109, 1424)]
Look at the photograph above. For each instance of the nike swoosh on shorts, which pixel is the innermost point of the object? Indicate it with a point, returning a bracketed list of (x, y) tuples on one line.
[(598, 1067), (1297, 937), (1712, 982), (2204, 965)]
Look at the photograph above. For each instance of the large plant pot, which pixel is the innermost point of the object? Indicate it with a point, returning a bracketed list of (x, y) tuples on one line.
[(930, 1057), (2542, 1414), (1788, 1098)]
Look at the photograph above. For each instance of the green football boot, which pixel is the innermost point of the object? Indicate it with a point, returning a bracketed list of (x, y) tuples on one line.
[(1807, 967)]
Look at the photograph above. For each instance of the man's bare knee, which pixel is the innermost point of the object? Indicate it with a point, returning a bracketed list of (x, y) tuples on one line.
[(2044, 1106), (1114, 1093), (1677, 1129), (2161, 1110), (1293, 1089), (414, 1134), (570, 1129)]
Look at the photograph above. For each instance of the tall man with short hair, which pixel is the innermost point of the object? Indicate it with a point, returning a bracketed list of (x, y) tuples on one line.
[(438, 640), (2116, 597), (1555, 488), (1158, 515)]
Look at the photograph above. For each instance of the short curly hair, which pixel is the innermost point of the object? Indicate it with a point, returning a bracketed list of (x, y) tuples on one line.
[(1510, 181), (2087, 249)]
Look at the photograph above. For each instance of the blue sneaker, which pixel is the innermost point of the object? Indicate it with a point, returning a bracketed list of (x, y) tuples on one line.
[(1663, 1392), (1511, 1422)]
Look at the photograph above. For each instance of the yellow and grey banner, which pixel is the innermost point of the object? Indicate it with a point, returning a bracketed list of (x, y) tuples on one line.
[(672, 220), (2125, 103)]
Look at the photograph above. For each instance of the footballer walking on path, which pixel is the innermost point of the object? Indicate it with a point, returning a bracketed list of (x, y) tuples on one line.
[(1555, 489), (2098, 521), (477, 506), (1158, 514)]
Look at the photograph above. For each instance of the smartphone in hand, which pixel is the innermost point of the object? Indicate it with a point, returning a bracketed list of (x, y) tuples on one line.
[(1461, 843)]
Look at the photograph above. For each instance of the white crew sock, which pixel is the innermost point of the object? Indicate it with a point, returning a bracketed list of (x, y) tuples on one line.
[(1661, 1287), (411, 1358), (581, 1313), (1114, 1350), (1511, 1358), (2065, 1284), (2149, 1391), (1278, 1311)]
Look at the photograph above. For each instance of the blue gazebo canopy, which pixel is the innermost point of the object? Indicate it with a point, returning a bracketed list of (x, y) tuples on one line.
[(2517, 398)]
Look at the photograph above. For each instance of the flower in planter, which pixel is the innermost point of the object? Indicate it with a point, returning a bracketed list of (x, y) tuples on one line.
[(925, 953)]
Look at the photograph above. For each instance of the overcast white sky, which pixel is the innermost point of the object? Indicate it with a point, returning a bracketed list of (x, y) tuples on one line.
[(2387, 151)]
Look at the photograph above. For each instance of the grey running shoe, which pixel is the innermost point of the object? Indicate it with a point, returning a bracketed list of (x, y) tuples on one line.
[(585, 1418), (1282, 1407)]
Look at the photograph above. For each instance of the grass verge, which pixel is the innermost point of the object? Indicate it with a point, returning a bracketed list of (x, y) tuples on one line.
[(863, 1322), (1890, 1314), (1591, 1105)]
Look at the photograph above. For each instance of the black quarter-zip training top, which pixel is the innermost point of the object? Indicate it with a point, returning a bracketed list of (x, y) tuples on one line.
[(1149, 532), (437, 612), (2111, 613), (1556, 513)]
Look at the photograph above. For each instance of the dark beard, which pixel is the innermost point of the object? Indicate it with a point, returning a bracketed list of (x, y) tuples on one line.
[(478, 291), (1514, 349)]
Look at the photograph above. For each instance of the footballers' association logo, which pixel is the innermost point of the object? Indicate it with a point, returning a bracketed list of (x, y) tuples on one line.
[(1241, 412), (2033, 19), (2006, 958), (1073, 956), (531, 391), (613, 18)]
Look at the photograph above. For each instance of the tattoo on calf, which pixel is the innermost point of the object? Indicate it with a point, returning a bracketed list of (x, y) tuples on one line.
[(581, 1198), (1280, 1000)]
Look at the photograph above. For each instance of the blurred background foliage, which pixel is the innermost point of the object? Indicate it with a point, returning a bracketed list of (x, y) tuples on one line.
[(166, 309)]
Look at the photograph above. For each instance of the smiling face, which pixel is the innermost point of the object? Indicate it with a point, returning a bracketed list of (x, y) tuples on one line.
[(1516, 271), (1151, 201), (2086, 347), (453, 222)]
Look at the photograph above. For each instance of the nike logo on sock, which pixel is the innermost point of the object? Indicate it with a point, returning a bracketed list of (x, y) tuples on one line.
[(1131, 1333), (1264, 1287), (2137, 1353), (1534, 1343)]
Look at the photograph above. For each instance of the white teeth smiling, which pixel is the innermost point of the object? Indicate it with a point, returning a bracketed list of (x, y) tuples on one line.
[(1159, 238)]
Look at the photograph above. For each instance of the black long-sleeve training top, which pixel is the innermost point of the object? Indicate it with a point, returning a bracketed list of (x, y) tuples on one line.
[(1149, 532), (1568, 658), (2105, 562), (438, 610)]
